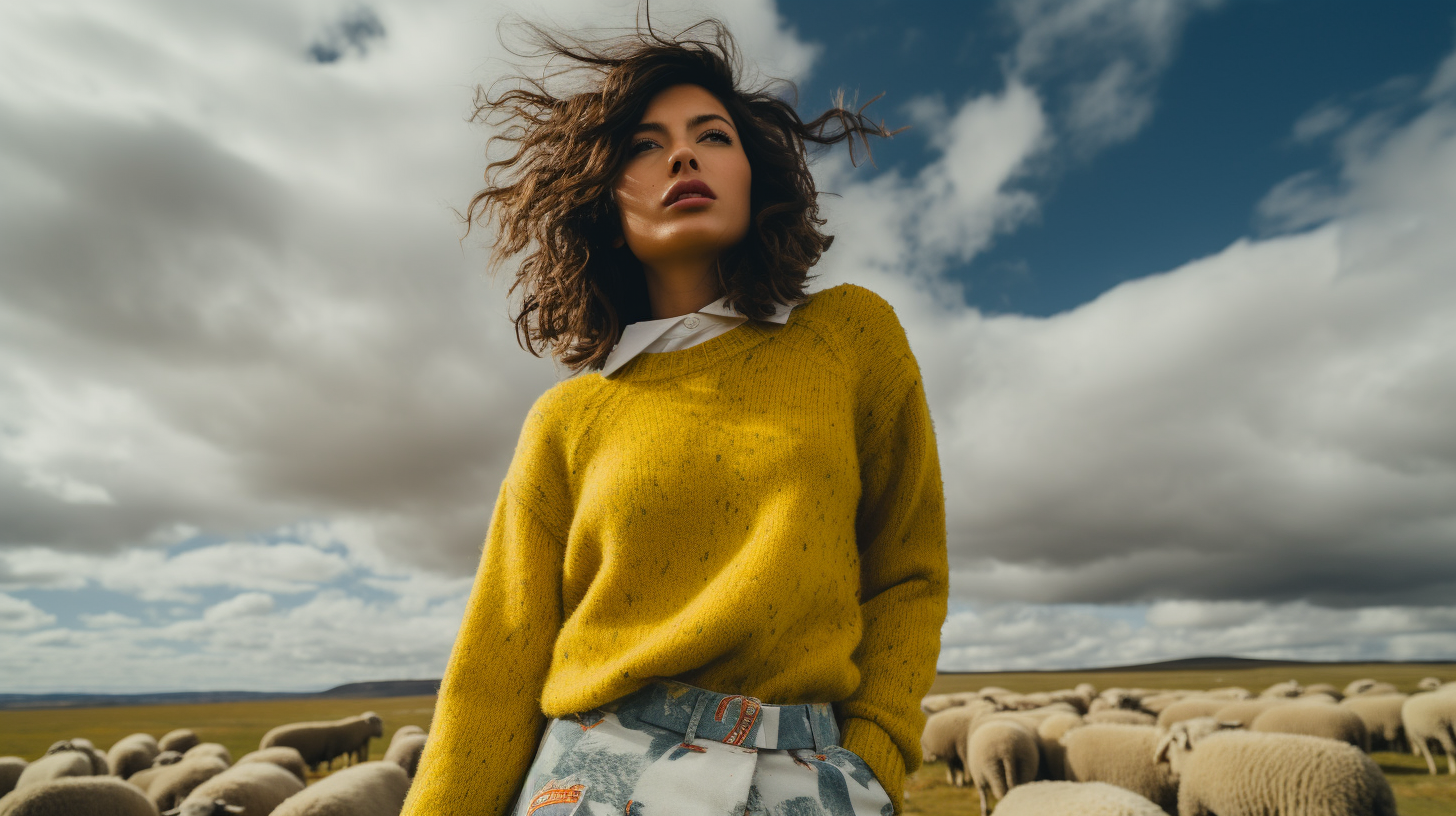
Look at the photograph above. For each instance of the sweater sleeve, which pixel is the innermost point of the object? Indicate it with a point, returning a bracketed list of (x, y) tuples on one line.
[(904, 575), (488, 721)]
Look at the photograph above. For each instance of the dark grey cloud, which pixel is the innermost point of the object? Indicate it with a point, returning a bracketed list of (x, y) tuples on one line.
[(354, 32)]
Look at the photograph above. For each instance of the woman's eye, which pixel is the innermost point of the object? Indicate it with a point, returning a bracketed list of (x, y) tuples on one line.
[(639, 147), (719, 135)]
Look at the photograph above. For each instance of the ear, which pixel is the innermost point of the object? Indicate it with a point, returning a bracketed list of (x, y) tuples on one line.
[(619, 242), (1161, 755), (1229, 724), (234, 808)]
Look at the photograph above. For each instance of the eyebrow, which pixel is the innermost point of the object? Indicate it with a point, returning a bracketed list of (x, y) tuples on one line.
[(692, 123)]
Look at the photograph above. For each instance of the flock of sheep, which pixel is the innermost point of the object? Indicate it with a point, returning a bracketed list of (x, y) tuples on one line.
[(1291, 750), (179, 775)]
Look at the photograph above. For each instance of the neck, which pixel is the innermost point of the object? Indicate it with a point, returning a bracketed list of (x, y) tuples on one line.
[(680, 289)]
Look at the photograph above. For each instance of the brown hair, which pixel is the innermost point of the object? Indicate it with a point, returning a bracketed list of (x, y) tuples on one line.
[(553, 193)]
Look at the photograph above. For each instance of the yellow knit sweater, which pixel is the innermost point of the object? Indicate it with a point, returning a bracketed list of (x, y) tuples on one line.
[(758, 514)]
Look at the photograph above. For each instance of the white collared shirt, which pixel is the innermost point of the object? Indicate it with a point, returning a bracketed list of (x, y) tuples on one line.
[(683, 331)]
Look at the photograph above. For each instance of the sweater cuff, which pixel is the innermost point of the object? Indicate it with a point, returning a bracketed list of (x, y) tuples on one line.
[(870, 743)]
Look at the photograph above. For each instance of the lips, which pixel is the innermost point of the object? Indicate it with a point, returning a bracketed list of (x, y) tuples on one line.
[(692, 188)]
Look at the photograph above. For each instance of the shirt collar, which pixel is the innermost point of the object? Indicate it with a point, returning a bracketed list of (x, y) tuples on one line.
[(640, 335)]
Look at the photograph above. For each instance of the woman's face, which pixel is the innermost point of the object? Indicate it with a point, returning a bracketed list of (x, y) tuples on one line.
[(683, 193)]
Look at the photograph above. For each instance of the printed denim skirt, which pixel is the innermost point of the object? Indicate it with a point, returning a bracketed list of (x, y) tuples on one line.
[(677, 750)]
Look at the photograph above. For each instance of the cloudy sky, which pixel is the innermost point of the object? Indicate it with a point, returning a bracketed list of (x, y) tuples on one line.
[(1179, 275)]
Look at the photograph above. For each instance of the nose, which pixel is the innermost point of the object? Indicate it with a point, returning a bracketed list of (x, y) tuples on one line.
[(683, 156)]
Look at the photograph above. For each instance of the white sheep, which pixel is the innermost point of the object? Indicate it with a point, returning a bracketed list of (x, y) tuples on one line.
[(999, 755), (179, 740), (1381, 715), (1241, 773), (1289, 688), (1368, 685), (132, 753), (78, 796), (942, 734), (1430, 717), (1120, 755), (1078, 698), (1244, 712), (1075, 799), (1049, 735), (99, 766), (212, 749), (284, 757), (168, 788), (323, 742), (253, 788), (405, 751), (1230, 693), (1315, 720), (55, 766), (366, 789), (1429, 683), (933, 703), (1188, 708), (1322, 688), (1120, 716), (10, 769), (1155, 703)]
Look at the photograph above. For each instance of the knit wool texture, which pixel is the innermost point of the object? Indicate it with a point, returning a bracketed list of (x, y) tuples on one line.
[(759, 514)]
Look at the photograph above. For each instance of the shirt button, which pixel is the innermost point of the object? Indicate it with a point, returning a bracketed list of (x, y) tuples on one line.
[(691, 322)]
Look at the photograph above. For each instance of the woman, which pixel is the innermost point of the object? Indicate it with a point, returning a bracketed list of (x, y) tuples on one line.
[(717, 562)]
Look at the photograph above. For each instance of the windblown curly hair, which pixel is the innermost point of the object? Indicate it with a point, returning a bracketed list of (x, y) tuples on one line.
[(552, 195)]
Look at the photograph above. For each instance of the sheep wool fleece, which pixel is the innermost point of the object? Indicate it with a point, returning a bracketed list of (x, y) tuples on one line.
[(759, 514)]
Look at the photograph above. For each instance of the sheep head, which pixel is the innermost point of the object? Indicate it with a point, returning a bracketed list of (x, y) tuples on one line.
[(1184, 736)]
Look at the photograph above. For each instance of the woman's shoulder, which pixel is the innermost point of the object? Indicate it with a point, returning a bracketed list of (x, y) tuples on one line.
[(850, 313), (846, 298), (864, 332)]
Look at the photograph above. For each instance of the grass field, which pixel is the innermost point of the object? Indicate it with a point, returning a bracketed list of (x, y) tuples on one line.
[(239, 726)]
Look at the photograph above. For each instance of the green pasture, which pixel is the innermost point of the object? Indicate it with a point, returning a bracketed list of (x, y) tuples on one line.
[(240, 726)]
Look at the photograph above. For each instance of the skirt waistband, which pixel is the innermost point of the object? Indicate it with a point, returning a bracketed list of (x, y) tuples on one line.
[(734, 719)]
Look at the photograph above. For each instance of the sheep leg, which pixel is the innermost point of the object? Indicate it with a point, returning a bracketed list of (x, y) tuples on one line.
[(1448, 744), (985, 806), (1424, 748)]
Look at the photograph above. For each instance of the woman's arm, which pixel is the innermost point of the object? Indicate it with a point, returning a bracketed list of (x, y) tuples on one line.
[(488, 720), (904, 575)]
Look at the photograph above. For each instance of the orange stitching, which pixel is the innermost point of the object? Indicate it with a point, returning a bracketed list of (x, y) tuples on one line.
[(556, 796), (747, 715), (693, 748)]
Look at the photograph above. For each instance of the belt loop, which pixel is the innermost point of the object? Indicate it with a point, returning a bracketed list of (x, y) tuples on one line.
[(821, 740), (698, 708)]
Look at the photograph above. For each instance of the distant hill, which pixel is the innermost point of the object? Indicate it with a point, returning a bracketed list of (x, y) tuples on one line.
[(419, 688), (377, 688), (1207, 664)]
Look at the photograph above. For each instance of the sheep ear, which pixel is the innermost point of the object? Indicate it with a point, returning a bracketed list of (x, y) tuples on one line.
[(1164, 744), (173, 812), (1227, 724), (234, 808)]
